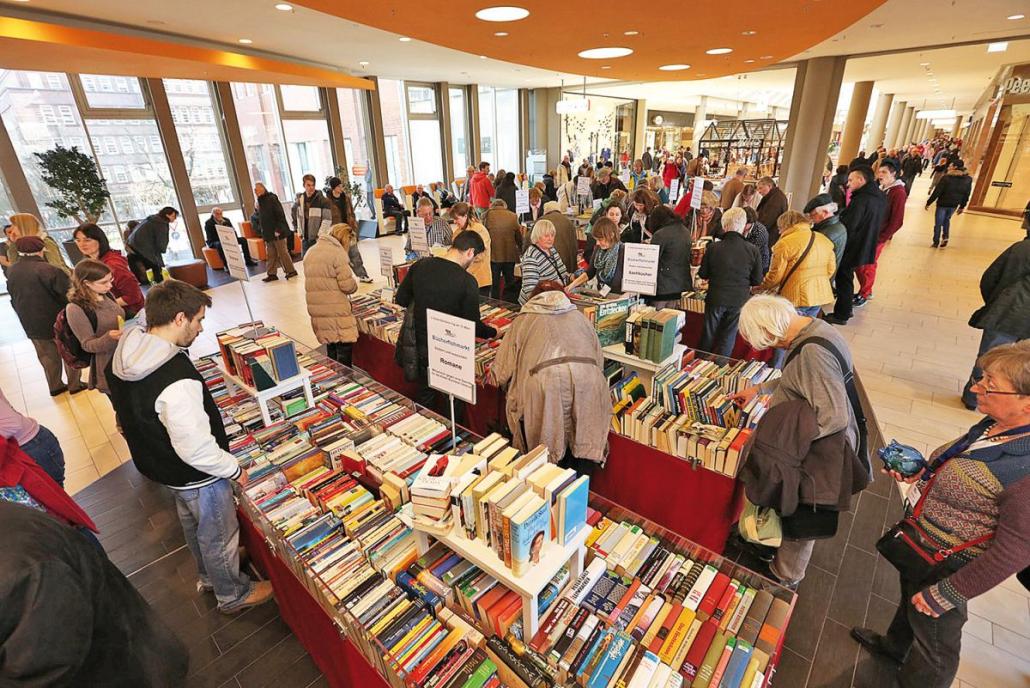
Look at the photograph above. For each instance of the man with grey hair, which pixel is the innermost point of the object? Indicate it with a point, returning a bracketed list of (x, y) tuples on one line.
[(822, 211), (212, 239), (732, 266), (438, 232), (773, 204)]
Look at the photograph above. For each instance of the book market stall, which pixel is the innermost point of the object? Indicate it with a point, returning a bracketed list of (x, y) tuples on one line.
[(404, 556), (757, 143)]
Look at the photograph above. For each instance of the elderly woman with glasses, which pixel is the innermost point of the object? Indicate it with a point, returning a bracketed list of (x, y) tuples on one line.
[(974, 509), (541, 261)]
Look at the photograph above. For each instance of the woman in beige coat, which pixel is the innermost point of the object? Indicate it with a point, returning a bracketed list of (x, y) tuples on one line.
[(462, 219), (328, 280), (557, 393)]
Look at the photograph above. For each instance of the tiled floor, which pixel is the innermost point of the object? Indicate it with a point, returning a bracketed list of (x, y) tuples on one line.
[(912, 347)]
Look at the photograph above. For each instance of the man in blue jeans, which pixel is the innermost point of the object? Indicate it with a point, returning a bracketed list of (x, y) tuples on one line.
[(952, 194), (33, 439), (175, 433)]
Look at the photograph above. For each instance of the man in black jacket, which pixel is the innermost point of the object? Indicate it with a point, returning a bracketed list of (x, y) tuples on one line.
[(911, 166), (393, 208), (863, 218), (605, 184), (1005, 288), (420, 192), (69, 617), (211, 238), (442, 284), (150, 240), (39, 292), (732, 266), (773, 204), (312, 215), (276, 233), (952, 194)]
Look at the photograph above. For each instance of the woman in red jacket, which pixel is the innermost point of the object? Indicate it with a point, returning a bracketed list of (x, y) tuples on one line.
[(93, 243)]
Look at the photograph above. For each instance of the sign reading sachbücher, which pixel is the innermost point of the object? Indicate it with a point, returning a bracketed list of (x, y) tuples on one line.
[(640, 268), (452, 355)]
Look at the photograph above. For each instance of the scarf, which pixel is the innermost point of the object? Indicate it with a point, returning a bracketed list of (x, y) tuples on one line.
[(606, 261)]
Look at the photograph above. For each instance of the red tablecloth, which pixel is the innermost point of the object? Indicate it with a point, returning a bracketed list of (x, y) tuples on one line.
[(694, 327), (341, 663)]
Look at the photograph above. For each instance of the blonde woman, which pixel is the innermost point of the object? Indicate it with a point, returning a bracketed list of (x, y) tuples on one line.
[(26, 224), (462, 217), (328, 281), (94, 317)]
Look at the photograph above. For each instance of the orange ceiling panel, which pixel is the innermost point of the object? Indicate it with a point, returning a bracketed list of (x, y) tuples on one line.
[(668, 33), (36, 45)]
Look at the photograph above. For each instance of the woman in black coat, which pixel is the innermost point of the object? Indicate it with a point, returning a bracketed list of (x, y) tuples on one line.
[(672, 238), (506, 190)]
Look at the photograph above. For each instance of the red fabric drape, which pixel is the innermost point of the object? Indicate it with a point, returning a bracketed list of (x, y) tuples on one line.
[(18, 468)]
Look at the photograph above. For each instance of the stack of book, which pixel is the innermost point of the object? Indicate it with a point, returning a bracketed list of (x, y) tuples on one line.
[(260, 356), (652, 334), (693, 301), (606, 313), (688, 412)]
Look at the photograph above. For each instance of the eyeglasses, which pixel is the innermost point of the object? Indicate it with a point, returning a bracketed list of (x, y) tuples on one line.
[(987, 387)]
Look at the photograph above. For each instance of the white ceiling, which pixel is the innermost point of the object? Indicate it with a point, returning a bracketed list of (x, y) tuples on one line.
[(311, 36)]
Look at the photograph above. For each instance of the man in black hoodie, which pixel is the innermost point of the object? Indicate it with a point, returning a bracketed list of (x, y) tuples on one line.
[(863, 218), (952, 194)]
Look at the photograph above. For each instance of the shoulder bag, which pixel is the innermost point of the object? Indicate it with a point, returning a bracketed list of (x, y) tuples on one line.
[(796, 265)]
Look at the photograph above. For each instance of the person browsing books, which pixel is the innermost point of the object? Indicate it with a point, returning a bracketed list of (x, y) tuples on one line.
[(175, 433), (441, 284)]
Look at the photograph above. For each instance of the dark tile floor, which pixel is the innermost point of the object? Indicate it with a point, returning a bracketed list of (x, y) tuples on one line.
[(141, 533), (847, 584)]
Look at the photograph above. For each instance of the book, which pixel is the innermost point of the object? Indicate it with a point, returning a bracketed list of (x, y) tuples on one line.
[(572, 509), (529, 532)]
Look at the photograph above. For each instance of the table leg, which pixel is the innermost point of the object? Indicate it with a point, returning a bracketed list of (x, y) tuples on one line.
[(529, 616)]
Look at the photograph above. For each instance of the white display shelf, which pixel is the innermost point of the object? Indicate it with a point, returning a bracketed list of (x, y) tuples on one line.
[(529, 586), (301, 379), (645, 369)]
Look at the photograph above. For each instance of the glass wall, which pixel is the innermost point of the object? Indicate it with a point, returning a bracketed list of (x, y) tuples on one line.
[(261, 128), (499, 127), (200, 138), (307, 144), (300, 98), (357, 144), (459, 131), (424, 126), (112, 92), (605, 130), (395, 134)]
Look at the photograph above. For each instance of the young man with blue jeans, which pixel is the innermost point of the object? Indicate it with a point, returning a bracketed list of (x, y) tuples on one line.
[(175, 433)]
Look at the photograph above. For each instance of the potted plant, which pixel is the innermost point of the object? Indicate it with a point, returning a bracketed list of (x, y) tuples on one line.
[(72, 176)]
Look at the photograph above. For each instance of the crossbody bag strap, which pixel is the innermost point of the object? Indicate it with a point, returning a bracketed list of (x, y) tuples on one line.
[(795, 266), (846, 371), (554, 264)]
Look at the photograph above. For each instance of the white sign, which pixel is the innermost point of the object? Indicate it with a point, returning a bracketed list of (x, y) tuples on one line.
[(386, 295), (597, 204), (521, 201), (695, 194), (624, 178), (452, 355), (386, 261), (419, 238), (582, 185), (233, 253), (674, 189), (640, 269)]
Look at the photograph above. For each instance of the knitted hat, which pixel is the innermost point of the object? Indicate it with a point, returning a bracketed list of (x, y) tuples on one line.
[(29, 244), (819, 201)]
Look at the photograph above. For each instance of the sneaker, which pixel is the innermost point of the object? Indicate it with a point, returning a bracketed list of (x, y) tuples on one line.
[(935, 245), (944, 242), (365, 280), (875, 643), (860, 301), (260, 592), (203, 587), (271, 278)]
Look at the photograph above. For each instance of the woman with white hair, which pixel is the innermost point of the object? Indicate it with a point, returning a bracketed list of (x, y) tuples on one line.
[(813, 374), (541, 261)]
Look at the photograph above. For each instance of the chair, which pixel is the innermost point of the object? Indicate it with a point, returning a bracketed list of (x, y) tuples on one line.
[(247, 228), (190, 271), (377, 200), (214, 260), (257, 248), (298, 245)]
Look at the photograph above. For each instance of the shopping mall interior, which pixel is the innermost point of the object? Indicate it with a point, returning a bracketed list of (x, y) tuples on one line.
[(113, 113)]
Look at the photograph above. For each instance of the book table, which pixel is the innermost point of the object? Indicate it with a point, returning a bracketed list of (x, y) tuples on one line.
[(552, 557), (300, 380), (644, 368)]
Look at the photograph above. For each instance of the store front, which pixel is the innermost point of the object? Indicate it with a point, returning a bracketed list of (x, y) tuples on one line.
[(603, 129), (1002, 146), (669, 130)]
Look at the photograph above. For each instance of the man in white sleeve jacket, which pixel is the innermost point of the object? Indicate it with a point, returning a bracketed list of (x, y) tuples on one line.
[(175, 433)]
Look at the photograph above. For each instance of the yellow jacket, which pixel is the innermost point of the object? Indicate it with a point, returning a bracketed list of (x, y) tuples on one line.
[(480, 267), (810, 283)]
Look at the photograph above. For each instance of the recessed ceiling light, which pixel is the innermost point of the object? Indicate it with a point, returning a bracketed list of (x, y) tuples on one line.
[(604, 53), (1016, 16), (245, 41), (674, 67), (500, 34), (404, 39), (363, 63), (719, 51), (765, 57), (482, 57), (283, 7), (998, 47), (924, 64), (606, 66), (502, 14), (748, 61), (630, 33), (748, 33)]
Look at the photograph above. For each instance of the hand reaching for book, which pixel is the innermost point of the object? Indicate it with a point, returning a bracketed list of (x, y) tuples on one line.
[(745, 396)]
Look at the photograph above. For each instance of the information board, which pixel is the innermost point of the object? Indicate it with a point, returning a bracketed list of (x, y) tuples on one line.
[(640, 269), (386, 261), (452, 355), (233, 253), (419, 238), (582, 185), (521, 201), (696, 193), (674, 190)]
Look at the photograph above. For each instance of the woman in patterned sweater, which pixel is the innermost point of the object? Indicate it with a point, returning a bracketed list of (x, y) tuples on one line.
[(981, 489)]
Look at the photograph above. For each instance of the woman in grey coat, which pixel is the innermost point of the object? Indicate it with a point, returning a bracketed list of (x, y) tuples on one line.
[(94, 317)]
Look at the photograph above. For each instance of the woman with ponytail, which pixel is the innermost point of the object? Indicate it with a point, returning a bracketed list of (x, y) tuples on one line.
[(94, 316)]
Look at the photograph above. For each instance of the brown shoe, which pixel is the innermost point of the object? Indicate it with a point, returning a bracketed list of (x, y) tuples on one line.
[(260, 593)]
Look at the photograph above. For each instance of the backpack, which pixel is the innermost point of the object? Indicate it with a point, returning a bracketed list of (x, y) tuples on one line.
[(68, 345)]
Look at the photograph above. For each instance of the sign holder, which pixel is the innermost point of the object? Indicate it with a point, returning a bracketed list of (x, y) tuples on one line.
[(452, 359), (235, 262)]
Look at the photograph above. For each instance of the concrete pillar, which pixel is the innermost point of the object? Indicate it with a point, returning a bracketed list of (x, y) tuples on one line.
[(877, 127), (812, 108), (894, 123), (640, 130), (851, 136), (957, 127), (700, 115), (906, 120), (924, 129)]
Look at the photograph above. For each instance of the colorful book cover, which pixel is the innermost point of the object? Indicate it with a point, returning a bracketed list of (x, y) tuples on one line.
[(529, 529), (572, 508)]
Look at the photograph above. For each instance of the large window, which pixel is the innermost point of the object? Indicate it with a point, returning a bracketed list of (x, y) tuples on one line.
[(395, 133), (261, 129), (300, 98), (307, 142), (459, 131), (357, 140), (6, 207), (197, 126), (112, 92), (499, 127), (424, 127)]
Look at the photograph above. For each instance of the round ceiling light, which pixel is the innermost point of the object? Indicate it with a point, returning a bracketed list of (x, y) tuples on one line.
[(630, 33), (765, 57), (283, 7), (748, 61), (719, 51), (604, 53), (674, 67), (502, 14), (404, 39), (245, 41), (1016, 16), (748, 33), (500, 34), (606, 66)]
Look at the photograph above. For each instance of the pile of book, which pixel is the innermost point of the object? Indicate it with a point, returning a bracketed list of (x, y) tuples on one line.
[(376, 317), (652, 334), (693, 301), (259, 356), (606, 313), (688, 412), (643, 614)]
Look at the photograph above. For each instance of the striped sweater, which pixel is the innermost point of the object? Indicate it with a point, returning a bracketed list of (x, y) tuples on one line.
[(538, 266), (985, 489)]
